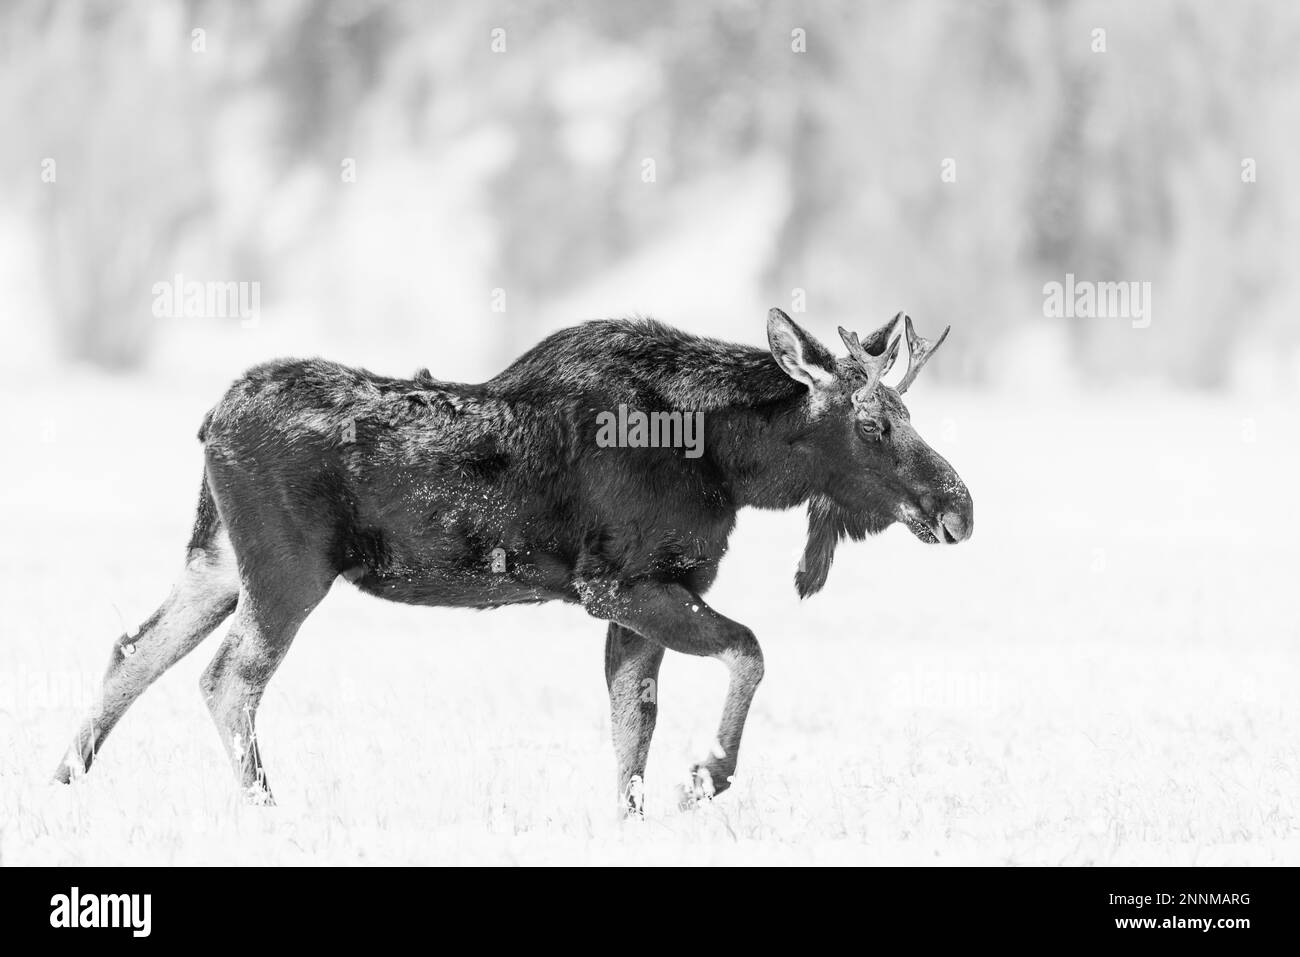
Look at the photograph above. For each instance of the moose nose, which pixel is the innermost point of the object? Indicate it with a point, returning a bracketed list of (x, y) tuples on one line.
[(956, 526)]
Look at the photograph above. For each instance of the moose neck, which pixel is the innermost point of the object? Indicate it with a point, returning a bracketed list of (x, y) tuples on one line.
[(760, 454)]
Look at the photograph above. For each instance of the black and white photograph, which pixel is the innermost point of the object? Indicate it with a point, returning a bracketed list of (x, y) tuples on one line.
[(675, 433)]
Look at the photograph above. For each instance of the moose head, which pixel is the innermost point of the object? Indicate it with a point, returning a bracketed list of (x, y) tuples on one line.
[(874, 468)]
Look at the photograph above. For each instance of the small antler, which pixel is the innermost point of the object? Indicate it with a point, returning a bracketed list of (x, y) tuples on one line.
[(918, 352), (876, 356)]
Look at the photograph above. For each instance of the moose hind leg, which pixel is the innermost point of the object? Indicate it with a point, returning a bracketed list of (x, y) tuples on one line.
[(632, 675), (266, 621), (202, 598)]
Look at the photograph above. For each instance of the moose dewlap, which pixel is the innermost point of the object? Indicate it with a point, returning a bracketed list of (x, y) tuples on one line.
[(530, 487)]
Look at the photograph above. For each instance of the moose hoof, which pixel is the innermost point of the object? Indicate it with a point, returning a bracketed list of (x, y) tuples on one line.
[(697, 789), (257, 795), (634, 798), (72, 768)]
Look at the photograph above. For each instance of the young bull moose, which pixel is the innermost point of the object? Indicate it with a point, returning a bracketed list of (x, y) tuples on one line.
[(438, 493)]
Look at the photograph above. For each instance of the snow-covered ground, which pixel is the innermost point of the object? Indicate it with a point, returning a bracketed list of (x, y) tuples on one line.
[(1105, 674)]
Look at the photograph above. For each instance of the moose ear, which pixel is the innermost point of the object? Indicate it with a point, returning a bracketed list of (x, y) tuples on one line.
[(799, 355)]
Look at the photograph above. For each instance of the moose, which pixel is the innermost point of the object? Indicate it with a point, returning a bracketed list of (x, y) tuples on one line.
[(440, 493)]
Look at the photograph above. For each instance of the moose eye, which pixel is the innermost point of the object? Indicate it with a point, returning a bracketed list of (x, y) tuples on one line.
[(871, 428)]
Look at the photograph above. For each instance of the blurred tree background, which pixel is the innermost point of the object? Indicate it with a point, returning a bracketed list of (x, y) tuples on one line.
[(519, 166)]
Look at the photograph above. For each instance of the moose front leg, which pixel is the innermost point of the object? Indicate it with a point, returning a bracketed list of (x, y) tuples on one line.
[(632, 674), (676, 618)]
